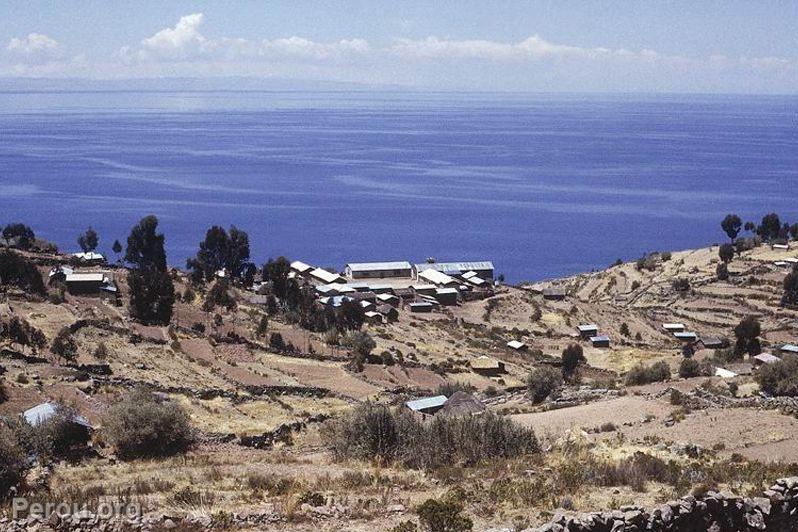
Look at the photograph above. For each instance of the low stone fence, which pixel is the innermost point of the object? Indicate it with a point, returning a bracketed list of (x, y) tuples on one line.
[(776, 510)]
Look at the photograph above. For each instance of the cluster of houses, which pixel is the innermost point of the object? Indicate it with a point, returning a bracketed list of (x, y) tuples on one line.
[(590, 332), (85, 282), (382, 288)]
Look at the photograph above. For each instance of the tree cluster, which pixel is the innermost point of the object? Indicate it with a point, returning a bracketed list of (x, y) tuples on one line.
[(219, 251), (16, 270), (20, 234), (152, 293)]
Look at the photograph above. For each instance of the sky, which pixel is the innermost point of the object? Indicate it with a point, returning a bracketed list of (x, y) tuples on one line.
[(707, 46)]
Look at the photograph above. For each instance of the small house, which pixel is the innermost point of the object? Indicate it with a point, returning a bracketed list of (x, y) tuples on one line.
[(554, 294), (388, 299), (790, 348), (79, 427), (586, 331), (600, 341), (85, 283), (301, 269), (437, 278), (373, 317), (366, 305), (485, 365), (420, 306), (765, 358), (515, 345), (724, 373), (673, 327), (462, 404), (686, 336), (781, 247), (390, 313), (447, 296), (378, 270), (322, 276), (427, 405), (424, 289), (89, 257), (714, 343), (381, 288), (483, 269)]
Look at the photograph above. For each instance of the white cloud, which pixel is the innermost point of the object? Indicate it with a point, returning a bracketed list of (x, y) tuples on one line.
[(35, 49)]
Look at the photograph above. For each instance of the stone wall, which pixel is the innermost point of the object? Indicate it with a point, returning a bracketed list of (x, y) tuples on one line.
[(776, 510)]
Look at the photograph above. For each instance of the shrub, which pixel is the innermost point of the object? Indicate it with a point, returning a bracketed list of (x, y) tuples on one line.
[(13, 460), (572, 357), (625, 329), (375, 432), (101, 351), (18, 271), (59, 434), (142, 424), (780, 378), (541, 382), (449, 388), (3, 392), (219, 296), (640, 374), (443, 515), (635, 285), (64, 345), (747, 333), (689, 368), (276, 342), (722, 272), (681, 284)]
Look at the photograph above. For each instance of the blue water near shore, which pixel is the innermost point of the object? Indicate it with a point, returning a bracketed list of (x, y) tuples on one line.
[(542, 185)]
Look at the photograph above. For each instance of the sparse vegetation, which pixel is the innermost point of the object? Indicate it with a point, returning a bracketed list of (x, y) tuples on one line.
[(542, 382), (13, 460), (572, 357), (780, 378), (640, 374)]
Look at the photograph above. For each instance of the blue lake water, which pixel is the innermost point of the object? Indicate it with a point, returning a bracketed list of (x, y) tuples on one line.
[(542, 185)]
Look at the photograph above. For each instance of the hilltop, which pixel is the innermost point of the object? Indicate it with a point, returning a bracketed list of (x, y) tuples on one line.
[(260, 390)]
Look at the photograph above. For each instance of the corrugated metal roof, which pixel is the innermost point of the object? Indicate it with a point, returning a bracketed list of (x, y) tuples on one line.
[(41, 413), (602, 338), (515, 344), (377, 266), (767, 358), (446, 291), (790, 348), (324, 275), (436, 277), (588, 327), (88, 255), (300, 266), (85, 277), (456, 266), (685, 334), (427, 402)]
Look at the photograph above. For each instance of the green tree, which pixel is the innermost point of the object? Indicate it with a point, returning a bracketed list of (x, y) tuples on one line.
[(794, 231), (275, 272), (145, 246), (731, 225), (24, 235), (722, 271), (152, 296), (89, 240), (219, 251), (18, 271), (572, 357), (747, 333), (18, 331), (64, 345), (117, 249), (790, 296), (770, 228), (541, 382), (750, 226), (350, 316), (219, 296), (726, 252)]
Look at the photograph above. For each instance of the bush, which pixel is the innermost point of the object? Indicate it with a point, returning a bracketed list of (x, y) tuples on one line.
[(443, 516), (58, 435), (219, 296), (780, 378), (64, 345), (681, 284), (3, 392), (541, 382), (18, 271), (144, 425), (13, 460), (640, 374), (449, 388), (375, 432), (625, 329), (722, 272), (572, 357), (689, 368)]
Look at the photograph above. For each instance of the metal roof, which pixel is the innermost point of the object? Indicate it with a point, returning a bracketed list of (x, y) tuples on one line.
[(88, 255), (789, 348), (436, 277), (672, 326), (85, 277), (427, 402), (515, 344), (300, 266), (685, 334), (724, 373), (41, 413), (588, 327), (378, 266), (767, 358), (602, 338), (324, 275), (456, 266), (446, 291)]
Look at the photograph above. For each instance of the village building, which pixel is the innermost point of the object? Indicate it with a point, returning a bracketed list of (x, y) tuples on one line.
[(600, 341), (88, 283), (473, 279), (488, 366), (790, 348), (423, 289), (554, 294), (724, 373), (673, 327), (390, 313), (388, 299), (438, 278), (462, 404), (420, 306), (447, 296), (765, 358), (374, 317), (686, 336), (516, 345), (483, 269), (301, 269), (381, 288), (366, 305), (89, 257), (324, 277), (781, 247), (378, 270), (588, 330), (714, 342), (427, 405)]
